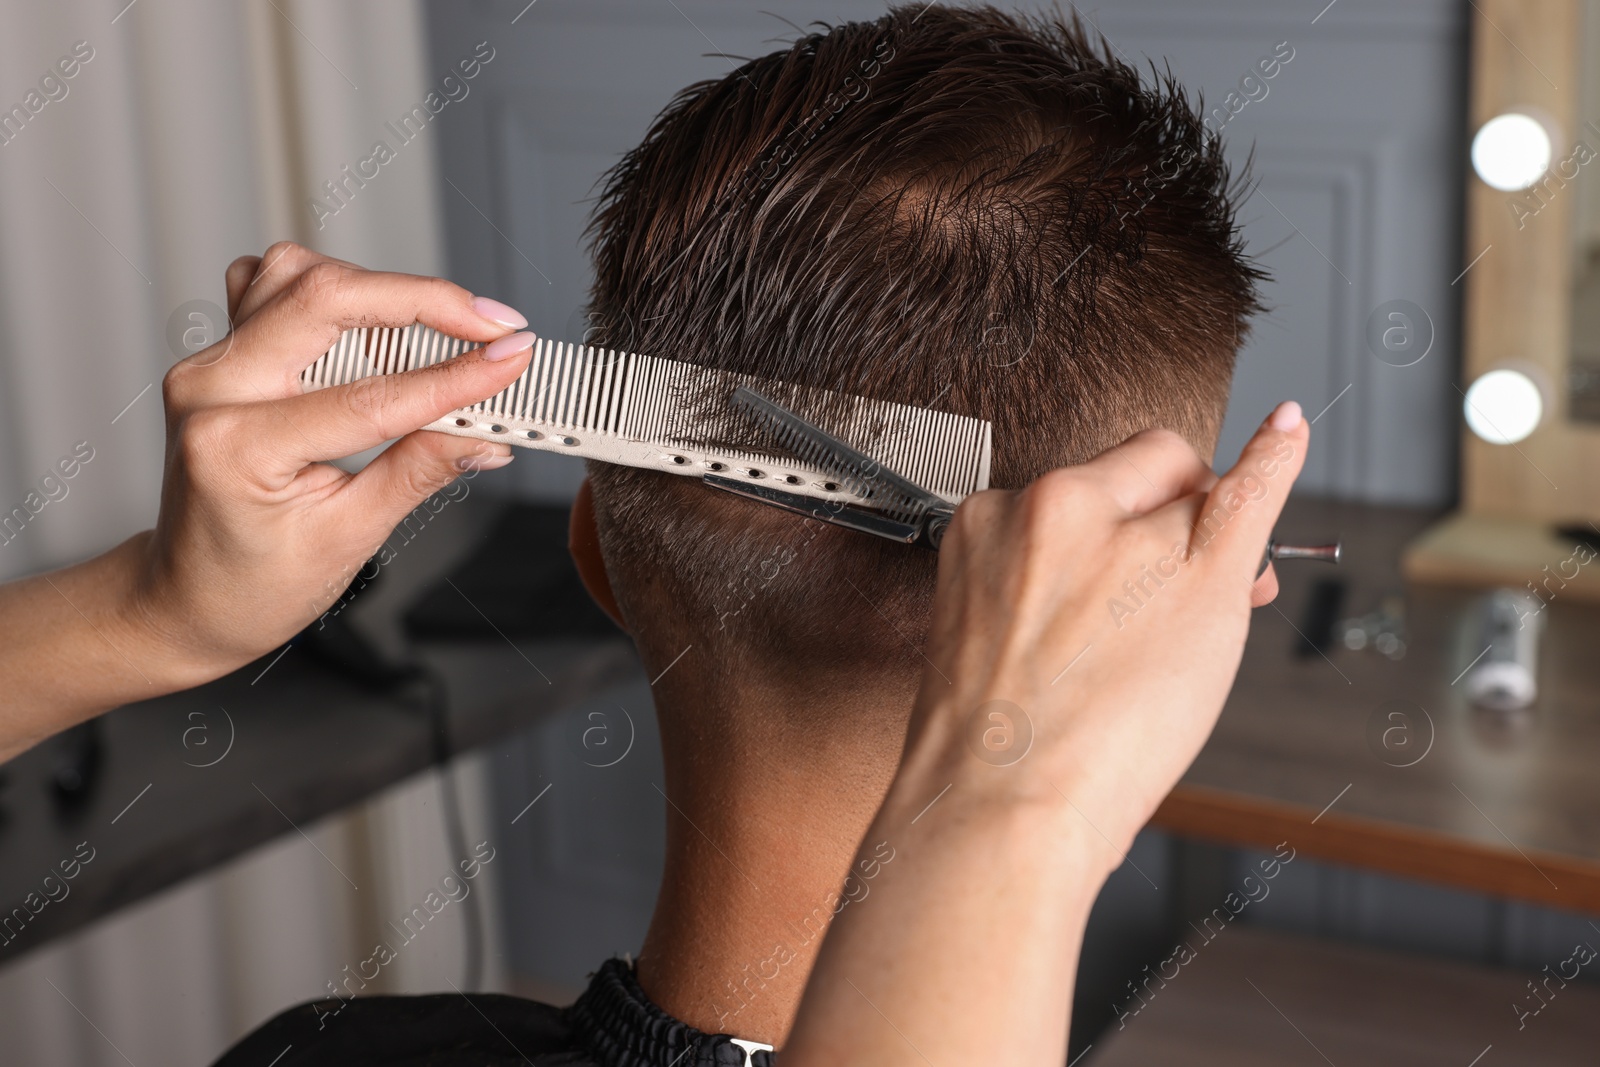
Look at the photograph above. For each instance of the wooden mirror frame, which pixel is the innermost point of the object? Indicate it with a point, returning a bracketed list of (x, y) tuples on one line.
[(1517, 307)]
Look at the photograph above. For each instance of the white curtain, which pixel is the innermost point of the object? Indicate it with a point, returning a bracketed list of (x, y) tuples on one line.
[(196, 133), (187, 134)]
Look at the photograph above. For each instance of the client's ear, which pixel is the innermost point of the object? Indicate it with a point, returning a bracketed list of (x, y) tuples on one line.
[(583, 541)]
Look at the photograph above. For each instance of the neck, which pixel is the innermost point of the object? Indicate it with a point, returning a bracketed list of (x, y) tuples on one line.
[(766, 807)]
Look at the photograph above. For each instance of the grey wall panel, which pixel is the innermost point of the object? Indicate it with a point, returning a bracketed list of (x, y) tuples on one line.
[(1358, 142)]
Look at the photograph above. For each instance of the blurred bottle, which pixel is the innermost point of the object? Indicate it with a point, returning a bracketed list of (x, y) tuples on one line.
[(1506, 677)]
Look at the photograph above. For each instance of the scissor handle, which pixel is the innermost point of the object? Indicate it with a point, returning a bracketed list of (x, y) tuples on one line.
[(1329, 553)]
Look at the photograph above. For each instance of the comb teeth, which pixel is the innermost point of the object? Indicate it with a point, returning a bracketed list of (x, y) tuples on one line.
[(859, 472), (648, 412)]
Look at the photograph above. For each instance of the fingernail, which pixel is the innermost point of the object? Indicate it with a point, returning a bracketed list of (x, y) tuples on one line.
[(510, 345), (495, 311), (1286, 416), (482, 463)]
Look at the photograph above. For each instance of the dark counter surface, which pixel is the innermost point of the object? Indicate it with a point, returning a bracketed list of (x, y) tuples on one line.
[(188, 781)]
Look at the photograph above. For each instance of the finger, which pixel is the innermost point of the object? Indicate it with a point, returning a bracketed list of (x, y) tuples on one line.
[(1149, 470), (416, 467), (237, 280), (307, 317), (326, 424), (1236, 519), (276, 269), (1265, 588)]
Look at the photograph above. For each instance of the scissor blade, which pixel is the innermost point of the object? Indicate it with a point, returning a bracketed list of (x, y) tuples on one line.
[(899, 498)]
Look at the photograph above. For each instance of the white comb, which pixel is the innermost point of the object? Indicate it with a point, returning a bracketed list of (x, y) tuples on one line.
[(644, 411)]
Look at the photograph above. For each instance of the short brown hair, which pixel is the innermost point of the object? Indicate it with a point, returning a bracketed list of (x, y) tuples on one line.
[(950, 207)]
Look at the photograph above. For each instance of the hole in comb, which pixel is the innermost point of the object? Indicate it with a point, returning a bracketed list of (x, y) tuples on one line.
[(533, 435), (832, 487), (754, 473), (717, 466), (679, 460), (568, 440), (463, 422), (792, 479), (497, 428)]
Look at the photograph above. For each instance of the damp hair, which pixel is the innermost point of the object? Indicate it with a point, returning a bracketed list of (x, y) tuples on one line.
[(956, 208)]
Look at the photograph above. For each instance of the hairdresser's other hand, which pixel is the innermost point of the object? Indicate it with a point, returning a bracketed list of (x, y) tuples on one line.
[(1107, 606), (258, 532)]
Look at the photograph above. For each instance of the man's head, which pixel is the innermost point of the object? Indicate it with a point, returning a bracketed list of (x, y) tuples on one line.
[(951, 208)]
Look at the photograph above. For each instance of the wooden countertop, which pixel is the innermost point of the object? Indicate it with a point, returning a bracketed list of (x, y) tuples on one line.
[(1508, 805), (1255, 998)]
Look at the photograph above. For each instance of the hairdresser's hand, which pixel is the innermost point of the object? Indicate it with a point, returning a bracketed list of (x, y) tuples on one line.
[(258, 533), (1107, 605), (1137, 570)]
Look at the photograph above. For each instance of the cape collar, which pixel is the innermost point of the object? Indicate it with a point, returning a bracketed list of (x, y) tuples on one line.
[(622, 1028)]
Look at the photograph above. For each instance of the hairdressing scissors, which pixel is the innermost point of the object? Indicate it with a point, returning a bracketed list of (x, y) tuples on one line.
[(898, 508)]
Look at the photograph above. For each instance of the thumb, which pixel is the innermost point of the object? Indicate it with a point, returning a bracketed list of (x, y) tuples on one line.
[(414, 468), (1238, 515)]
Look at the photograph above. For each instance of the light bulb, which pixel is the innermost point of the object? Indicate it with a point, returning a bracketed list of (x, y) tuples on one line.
[(1503, 406), (1511, 151)]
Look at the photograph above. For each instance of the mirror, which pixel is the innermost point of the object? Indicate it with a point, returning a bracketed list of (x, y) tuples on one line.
[(1530, 358), (1584, 369)]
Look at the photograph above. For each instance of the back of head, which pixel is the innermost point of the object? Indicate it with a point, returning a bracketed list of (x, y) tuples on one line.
[(952, 208)]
